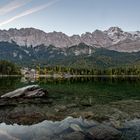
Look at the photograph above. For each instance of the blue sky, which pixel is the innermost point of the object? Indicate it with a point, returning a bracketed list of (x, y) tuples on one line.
[(70, 16)]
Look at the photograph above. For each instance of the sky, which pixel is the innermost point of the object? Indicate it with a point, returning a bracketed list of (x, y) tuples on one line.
[(70, 16)]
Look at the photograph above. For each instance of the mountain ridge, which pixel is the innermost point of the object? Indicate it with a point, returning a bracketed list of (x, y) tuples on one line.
[(113, 39)]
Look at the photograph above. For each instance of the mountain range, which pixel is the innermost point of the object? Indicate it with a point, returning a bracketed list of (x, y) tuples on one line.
[(113, 39), (100, 49)]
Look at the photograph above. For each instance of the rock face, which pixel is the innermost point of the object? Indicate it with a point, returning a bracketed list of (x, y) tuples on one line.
[(26, 92), (114, 38)]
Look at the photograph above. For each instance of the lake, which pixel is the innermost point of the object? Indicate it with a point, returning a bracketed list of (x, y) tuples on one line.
[(94, 90), (110, 100)]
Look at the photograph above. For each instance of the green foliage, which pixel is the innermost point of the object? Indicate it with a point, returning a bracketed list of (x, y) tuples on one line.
[(89, 71), (8, 68), (79, 57)]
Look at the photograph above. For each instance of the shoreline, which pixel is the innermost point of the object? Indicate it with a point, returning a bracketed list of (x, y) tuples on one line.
[(70, 76), (10, 75)]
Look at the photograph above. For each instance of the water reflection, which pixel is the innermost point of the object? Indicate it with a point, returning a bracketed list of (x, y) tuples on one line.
[(9, 83), (70, 129), (46, 130), (80, 79), (75, 96)]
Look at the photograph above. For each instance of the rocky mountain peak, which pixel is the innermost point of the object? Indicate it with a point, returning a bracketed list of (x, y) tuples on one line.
[(114, 30), (116, 34), (106, 39)]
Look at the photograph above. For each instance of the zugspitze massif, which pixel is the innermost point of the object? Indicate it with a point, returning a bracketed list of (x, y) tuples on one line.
[(113, 39)]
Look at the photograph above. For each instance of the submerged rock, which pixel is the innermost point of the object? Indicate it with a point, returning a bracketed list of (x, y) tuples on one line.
[(26, 92)]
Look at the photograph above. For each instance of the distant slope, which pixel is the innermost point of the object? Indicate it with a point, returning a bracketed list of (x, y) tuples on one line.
[(76, 56)]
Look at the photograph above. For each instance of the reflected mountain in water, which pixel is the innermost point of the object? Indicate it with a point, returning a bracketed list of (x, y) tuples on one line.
[(70, 129), (47, 129)]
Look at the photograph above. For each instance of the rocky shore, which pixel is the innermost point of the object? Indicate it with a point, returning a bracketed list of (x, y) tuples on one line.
[(31, 111)]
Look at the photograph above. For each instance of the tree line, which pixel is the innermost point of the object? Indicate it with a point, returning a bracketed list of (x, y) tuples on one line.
[(8, 68), (135, 70)]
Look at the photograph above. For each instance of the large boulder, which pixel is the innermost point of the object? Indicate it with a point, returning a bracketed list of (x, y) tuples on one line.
[(104, 132), (26, 92)]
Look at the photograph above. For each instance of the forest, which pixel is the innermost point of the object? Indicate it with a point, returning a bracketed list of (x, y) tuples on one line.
[(135, 70), (8, 68)]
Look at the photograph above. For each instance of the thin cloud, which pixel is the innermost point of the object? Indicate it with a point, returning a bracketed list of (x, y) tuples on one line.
[(13, 5), (28, 12)]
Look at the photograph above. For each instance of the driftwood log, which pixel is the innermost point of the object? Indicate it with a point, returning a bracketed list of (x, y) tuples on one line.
[(26, 92)]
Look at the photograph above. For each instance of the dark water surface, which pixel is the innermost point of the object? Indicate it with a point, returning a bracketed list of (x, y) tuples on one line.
[(99, 90), (103, 99)]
